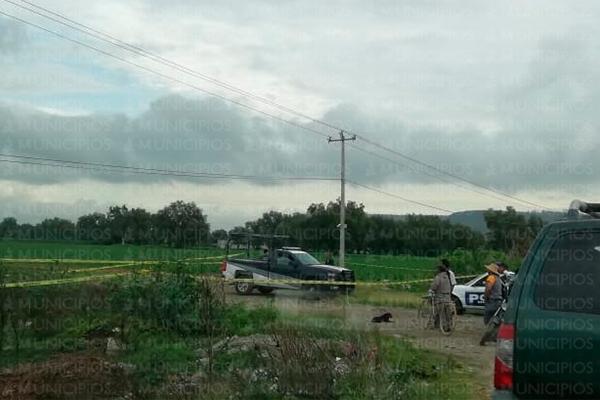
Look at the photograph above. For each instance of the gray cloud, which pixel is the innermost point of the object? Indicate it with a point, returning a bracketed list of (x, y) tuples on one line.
[(526, 153), (175, 133), (438, 82)]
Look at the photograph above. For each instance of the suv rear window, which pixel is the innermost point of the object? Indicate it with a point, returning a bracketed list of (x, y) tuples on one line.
[(570, 277)]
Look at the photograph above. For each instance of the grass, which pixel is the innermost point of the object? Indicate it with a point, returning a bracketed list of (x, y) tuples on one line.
[(386, 268), (388, 297), (57, 320), (402, 269), (367, 267), (85, 251), (376, 366), (27, 272), (158, 354)]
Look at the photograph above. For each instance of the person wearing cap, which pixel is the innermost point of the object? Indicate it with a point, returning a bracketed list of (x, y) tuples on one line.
[(493, 291)]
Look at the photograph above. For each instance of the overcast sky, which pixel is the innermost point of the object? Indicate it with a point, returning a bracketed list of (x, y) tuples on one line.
[(505, 94)]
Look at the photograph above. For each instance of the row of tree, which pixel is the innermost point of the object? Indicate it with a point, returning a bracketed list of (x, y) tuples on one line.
[(179, 224), (182, 224), (425, 235), (317, 230)]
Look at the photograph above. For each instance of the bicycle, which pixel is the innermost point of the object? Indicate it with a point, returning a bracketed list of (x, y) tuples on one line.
[(442, 314), (426, 312)]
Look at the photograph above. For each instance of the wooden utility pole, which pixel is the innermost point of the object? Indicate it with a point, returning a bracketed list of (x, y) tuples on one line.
[(342, 225)]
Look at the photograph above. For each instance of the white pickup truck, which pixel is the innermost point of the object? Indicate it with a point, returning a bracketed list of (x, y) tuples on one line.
[(286, 264)]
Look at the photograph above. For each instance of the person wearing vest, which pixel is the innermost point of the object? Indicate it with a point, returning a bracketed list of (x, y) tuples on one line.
[(493, 292)]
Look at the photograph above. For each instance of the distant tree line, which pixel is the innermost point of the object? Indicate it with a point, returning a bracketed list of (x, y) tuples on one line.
[(182, 224), (317, 229), (425, 235), (510, 231), (179, 224)]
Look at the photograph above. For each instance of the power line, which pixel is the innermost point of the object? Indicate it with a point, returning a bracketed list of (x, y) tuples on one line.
[(424, 172), (90, 31), (138, 50), (431, 167), (52, 162), (164, 76), (400, 197), (111, 168)]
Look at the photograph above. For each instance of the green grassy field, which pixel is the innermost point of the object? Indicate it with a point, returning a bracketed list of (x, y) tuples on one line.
[(167, 329), (61, 260), (392, 268), (162, 325), (46, 261), (85, 251)]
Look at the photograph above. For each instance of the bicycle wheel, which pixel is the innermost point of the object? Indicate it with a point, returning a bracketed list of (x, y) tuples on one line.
[(425, 314)]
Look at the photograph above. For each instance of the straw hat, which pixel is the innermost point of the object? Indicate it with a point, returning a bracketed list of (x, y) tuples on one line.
[(493, 268)]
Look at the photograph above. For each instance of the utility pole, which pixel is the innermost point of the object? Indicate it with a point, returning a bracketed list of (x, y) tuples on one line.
[(342, 225)]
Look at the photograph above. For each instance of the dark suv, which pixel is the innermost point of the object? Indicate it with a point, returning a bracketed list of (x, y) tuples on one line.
[(549, 343)]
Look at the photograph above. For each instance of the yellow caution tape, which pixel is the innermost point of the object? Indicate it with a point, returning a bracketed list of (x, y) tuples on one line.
[(62, 261), (209, 258), (102, 268), (259, 282), (389, 267), (95, 261), (52, 282), (64, 281)]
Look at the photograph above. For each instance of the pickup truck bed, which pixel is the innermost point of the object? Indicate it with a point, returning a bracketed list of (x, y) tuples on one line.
[(287, 266)]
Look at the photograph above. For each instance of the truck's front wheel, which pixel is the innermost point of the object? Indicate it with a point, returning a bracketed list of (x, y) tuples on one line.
[(243, 287)]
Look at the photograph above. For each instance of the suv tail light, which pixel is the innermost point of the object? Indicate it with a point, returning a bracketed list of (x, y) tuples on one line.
[(224, 266), (503, 364)]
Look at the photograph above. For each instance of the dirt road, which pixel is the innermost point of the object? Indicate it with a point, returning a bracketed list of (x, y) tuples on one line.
[(463, 344)]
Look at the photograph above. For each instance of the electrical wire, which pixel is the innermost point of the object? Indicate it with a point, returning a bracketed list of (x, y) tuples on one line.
[(110, 168), (424, 172), (52, 162), (164, 76), (431, 167), (140, 51), (90, 31), (399, 197)]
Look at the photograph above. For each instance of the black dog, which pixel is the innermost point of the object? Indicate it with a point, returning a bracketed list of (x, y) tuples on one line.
[(382, 318)]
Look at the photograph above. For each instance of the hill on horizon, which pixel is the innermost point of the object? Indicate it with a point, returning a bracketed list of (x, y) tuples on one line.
[(475, 219)]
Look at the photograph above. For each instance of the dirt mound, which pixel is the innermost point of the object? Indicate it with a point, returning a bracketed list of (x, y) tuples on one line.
[(69, 376)]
